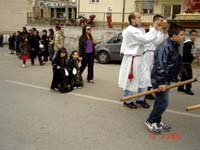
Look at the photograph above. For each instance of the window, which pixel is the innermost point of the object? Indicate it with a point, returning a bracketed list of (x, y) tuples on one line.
[(170, 11), (147, 6), (94, 1), (147, 11)]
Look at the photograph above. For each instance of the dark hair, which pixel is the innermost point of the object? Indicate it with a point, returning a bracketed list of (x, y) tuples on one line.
[(24, 29), (191, 31), (84, 32), (61, 50), (44, 31), (157, 17), (131, 16), (174, 29), (75, 51), (58, 27), (51, 32)]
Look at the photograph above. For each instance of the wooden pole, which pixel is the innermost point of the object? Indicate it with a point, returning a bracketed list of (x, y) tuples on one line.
[(194, 107), (157, 90)]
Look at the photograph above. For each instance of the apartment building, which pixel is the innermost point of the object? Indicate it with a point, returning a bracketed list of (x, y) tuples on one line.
[(121, 8)]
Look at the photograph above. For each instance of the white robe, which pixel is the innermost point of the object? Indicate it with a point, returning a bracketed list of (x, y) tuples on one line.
[(133, 43), (148, 59)]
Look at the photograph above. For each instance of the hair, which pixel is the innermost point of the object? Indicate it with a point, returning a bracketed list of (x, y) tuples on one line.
[(75, 51), (131, 16), (174, 29), (157, 17), (24, 29), (58, 27), (51, 32), (192, 31), (61, 50), (44, 31), (84, 32)]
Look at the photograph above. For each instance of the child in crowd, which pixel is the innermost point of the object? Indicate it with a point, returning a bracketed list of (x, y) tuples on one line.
[(74, 66), (61, 75), (24, 50)]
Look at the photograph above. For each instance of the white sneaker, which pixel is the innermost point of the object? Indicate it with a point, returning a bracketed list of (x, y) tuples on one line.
[(23, 65), (153, 127), (163, 127)]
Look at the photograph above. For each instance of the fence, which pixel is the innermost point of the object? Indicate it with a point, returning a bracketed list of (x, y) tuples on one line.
[(99, 20)]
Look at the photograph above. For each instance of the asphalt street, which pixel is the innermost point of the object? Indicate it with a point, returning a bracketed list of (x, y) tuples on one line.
[(92, 118)]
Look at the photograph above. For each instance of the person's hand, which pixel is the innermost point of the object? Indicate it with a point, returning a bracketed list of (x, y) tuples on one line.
[(80, 58), (162, 88)]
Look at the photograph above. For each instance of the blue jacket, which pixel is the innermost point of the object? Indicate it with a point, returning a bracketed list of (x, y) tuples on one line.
[(167, 63)]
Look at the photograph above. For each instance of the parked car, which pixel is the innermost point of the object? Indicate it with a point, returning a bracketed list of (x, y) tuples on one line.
[(109, 50)]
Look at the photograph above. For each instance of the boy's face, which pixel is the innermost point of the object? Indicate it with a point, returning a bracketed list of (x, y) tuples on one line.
[(193, 36), (178, 38)]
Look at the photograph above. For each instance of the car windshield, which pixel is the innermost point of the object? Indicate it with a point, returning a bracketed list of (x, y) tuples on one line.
[(116, 38)]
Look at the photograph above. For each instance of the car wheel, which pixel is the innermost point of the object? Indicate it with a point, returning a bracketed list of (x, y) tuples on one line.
[(103, 57)]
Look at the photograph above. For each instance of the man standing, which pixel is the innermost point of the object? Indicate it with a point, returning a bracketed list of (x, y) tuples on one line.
[(134, 39), (188, 57), (148, 57)]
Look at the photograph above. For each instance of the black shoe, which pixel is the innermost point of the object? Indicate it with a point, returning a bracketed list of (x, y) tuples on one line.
[(149, 96), (144, 104), (180, 89), (189, 92), (130, 105)]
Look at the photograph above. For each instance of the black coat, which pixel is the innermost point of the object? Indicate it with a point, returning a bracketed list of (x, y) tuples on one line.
[(187, 52), (167, 62)]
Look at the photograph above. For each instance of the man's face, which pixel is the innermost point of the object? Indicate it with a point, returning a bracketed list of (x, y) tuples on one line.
[(179, 38), (193, 36), (137, 21)]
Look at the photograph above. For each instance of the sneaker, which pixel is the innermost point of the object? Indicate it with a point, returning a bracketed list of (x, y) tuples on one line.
[(23, 65), (153, 127), (79, 87), (163, 127), (130, 105)]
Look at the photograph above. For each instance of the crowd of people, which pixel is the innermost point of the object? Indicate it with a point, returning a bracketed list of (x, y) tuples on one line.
[(152, 59), (49, 47)]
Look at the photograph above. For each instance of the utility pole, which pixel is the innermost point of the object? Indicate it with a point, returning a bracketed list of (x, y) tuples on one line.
[(66, 11), (123, 13)]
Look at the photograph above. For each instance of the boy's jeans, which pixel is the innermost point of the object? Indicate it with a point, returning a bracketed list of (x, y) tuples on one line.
[(160, 105)]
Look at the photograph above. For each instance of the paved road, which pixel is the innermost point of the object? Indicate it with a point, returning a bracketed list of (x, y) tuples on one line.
[(92, 118)]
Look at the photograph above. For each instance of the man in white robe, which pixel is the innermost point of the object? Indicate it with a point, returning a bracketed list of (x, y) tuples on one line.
[(134, 39), (148, 57)]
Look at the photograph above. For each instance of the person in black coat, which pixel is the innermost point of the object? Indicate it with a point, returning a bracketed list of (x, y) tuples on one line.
[(11, 41), (34, 47), (86, 51), (1, 39), (61, 74), (73, 65), (187, 59)]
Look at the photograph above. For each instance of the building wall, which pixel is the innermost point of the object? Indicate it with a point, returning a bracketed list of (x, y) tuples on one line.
[(102, 6), (158, 8), (14, 14)]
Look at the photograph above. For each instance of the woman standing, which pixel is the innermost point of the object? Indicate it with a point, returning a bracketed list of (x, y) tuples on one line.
[(86, 51), (51, 44)]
